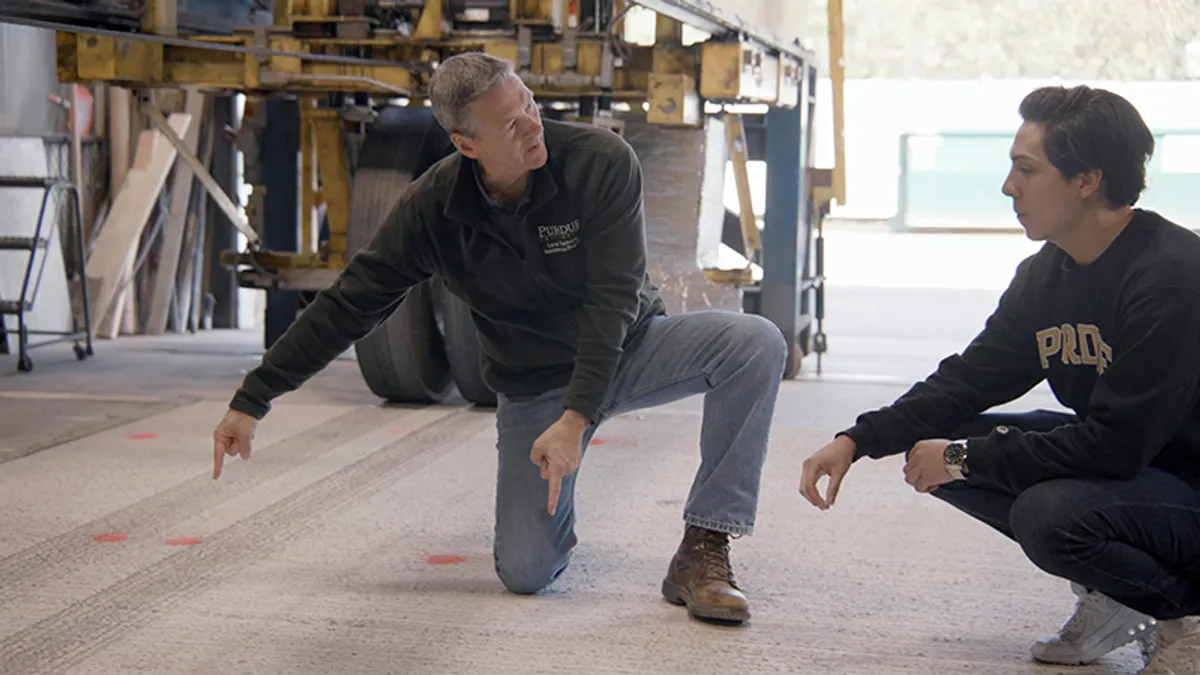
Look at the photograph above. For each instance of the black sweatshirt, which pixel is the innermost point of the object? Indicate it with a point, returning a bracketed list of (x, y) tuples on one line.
[(1119, 342), (556, 311)]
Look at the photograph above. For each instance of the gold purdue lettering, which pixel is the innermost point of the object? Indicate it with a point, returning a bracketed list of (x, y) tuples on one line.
[(1076, 345)]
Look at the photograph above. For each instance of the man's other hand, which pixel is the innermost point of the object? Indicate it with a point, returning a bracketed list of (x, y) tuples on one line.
[(232, 437), (926, 465), (833, 460), (557, 451)]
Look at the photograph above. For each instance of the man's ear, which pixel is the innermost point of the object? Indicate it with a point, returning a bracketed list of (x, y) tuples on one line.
[(465, 145), (1090, 183)]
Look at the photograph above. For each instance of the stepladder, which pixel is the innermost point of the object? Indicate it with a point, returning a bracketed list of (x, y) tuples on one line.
[(37, 249)]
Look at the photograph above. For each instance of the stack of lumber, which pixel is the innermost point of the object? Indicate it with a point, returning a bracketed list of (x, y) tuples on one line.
[(144, 265)]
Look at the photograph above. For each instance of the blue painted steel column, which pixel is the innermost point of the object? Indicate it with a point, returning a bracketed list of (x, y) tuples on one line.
[(280, 158), (786, 227), (220, 233)]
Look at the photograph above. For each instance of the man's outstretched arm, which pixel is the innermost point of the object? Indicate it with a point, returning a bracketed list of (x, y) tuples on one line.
[(374, 282), (1149, 385), (999, 365)]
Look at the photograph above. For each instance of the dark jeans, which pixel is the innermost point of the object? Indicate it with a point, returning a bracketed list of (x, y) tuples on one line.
[(1136, 541)]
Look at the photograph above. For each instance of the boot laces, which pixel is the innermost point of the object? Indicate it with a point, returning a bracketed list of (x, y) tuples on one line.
[(712, 551), (1087, 605)]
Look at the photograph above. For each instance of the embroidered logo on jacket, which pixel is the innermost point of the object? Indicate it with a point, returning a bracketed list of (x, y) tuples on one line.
[(1078, 345), (559, 238)]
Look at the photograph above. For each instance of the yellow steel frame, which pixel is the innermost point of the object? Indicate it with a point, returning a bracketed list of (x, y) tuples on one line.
[(739, 154), (672, 78), (323, 158), (837, 79), (573, 65), (145, 64)]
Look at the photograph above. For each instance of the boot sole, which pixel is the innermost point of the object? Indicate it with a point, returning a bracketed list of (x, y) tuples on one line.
[(678, 596)]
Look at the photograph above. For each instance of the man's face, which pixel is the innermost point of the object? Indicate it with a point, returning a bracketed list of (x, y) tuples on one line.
[(1047, 205), (508, 130)]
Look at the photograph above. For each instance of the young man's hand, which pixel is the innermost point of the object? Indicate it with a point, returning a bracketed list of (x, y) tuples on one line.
[(833, 460), (926, 465), (557, 452), (232, 437)]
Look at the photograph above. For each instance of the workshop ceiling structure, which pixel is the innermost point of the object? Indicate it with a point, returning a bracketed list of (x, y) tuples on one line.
[(336, 67)]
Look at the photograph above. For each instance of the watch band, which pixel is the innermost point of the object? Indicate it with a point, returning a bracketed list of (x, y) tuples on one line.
[(955, 458), (955, 471)]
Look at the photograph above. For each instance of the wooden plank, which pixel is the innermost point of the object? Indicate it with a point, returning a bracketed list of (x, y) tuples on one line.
[(116, 245), (120, 145), (198, 283), (129, 289), (79, 116), (129, 318), (193, 254), (181, 200), (118, 139), (108, 326)]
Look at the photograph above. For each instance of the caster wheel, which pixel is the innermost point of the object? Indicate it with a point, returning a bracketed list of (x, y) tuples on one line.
[(80, 353), (25, 364)]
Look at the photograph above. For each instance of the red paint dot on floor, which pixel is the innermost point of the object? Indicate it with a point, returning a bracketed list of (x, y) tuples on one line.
[(141, 436), (184, 541), (108, 537), (402, 431), (597, 441), (445, 559)]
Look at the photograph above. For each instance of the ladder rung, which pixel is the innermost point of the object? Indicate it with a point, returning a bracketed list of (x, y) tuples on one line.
[(14, 306), (32, 181), (10, 243)]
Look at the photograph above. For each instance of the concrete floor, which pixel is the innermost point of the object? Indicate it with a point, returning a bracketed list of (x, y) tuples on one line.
[(357, 540)]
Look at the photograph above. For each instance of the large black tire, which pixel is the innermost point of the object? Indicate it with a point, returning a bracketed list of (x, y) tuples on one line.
[(403, 360), (462, 346)]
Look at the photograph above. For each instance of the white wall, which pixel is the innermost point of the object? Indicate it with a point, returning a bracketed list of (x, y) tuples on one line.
[(27, 76), (26, 157)]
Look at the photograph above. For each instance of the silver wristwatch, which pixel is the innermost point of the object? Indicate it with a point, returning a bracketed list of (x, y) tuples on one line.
[(955, 457)]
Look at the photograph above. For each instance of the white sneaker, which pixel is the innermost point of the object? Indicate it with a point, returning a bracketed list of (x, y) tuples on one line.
[(1179, 648), (1099, 625)]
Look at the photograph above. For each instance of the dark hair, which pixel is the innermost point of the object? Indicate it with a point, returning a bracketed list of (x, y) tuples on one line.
[(1086, 129)]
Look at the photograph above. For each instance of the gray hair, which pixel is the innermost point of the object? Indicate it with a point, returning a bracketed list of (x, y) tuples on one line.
[(458, 81)]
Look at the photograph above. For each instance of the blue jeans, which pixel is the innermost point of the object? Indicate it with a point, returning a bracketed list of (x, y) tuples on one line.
[(735, 360), (1136, 541)]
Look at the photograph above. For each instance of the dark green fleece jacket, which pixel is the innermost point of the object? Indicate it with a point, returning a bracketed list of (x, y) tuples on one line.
[(558, 311)]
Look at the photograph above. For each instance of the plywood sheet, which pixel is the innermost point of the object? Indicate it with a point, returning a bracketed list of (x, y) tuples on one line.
[(116, 245)]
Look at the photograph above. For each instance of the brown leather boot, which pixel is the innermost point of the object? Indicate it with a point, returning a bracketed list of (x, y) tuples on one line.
[(699, 577)]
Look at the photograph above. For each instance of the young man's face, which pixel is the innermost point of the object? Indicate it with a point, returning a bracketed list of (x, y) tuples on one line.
[(508, 136), (1047, 205)]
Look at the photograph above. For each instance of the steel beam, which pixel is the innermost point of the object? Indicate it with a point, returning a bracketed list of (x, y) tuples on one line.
[(221, 234), (281, 207), (712, 20), (787, 228)]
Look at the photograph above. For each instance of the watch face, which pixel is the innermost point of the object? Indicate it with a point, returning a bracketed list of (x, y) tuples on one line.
[(955, 453)]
